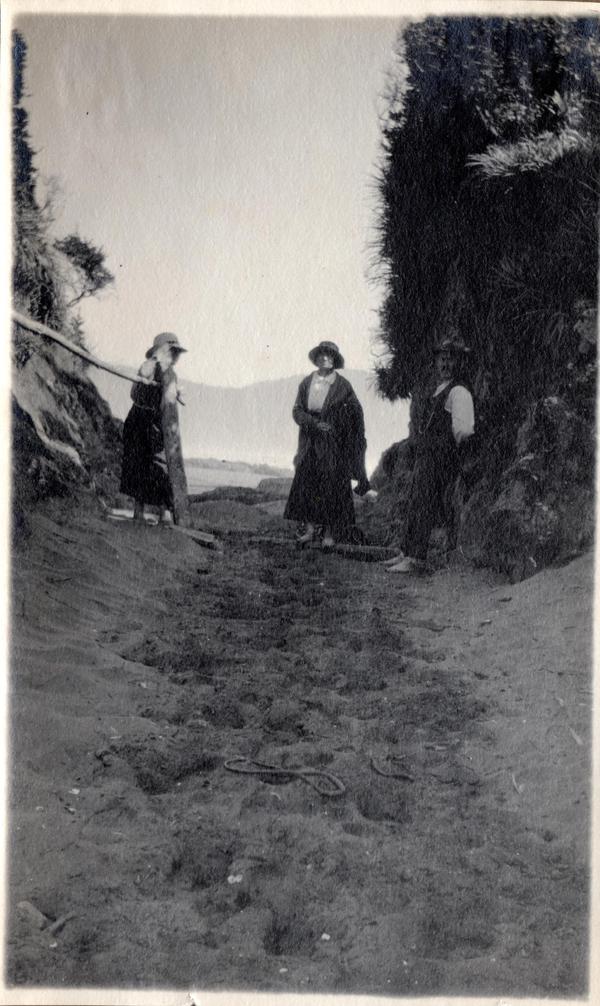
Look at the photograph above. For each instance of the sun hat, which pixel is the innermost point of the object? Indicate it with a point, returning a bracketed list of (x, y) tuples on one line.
[(331, 349), (165, 339)]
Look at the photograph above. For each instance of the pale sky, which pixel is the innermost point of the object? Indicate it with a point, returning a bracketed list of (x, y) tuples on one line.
[(226, 167)]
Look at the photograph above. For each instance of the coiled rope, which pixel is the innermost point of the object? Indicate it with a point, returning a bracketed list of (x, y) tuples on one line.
[(325, 783)]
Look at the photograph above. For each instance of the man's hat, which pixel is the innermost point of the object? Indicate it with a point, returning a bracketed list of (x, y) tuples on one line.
[(331, 349), (454, 344), (165, 339)]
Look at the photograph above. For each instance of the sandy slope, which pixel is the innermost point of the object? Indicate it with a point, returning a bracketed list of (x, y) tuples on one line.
[(142, 662)]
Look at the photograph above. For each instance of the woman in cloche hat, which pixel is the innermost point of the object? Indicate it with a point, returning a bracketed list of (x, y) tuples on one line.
[(144, 473), (446, 426), (331, 450)]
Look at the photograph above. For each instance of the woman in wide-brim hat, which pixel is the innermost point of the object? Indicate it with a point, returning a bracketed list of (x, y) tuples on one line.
[(446, 426), (331, 450), (144, 474)]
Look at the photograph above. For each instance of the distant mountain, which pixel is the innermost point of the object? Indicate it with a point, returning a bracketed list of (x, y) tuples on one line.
[(254, 423)]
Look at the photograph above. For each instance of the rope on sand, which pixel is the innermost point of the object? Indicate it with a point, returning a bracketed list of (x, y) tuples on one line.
[(325, 783), (390, 775), (39, 329)]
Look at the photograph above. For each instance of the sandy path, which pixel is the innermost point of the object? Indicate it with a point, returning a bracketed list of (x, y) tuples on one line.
[(142, 663)]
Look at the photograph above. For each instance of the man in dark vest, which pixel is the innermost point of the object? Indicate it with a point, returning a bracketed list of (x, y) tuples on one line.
[(446, 424)]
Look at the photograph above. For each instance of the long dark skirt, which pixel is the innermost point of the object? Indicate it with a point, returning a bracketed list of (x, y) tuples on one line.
[(144, 471), (321, 494)]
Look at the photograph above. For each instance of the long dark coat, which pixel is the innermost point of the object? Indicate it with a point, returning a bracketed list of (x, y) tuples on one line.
[(325, 463), (144, 470)]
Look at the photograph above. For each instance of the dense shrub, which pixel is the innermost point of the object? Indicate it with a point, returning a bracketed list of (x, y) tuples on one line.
[(488, 219)]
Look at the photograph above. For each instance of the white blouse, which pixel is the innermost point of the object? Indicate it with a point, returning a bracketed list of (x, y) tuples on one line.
[(319, 389), (460, 406)]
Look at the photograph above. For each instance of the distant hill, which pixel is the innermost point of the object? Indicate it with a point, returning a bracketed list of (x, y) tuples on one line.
[(223, 465), (254, 423)]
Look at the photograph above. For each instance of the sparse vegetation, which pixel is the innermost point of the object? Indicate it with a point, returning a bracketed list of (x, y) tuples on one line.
[(88, 274), (50, 276)]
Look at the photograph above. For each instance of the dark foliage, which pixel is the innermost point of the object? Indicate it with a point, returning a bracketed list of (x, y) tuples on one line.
[(504, 255), (88, 263), (36, 282), (24, 175), (64, 439), (49, 276), (488, 223)]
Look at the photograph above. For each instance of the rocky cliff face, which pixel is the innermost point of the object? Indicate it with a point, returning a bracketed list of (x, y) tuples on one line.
[(64, 439), (542, 508)]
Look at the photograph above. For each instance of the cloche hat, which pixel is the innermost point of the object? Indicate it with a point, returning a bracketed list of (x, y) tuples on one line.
[(331, 349), (165, 339)]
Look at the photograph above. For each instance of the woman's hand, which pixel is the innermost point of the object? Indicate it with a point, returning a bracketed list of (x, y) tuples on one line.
[(147, 369), (323, 427), (170, 392)]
